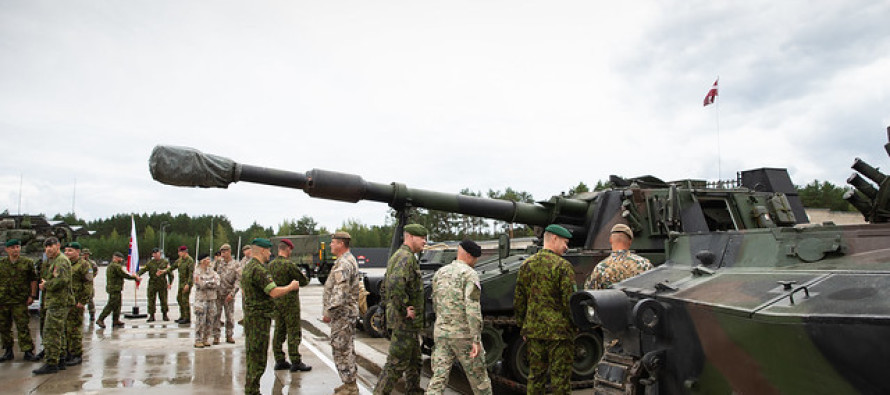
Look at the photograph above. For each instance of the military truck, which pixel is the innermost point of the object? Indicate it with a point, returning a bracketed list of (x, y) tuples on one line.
[(760, 198), (312, 254)]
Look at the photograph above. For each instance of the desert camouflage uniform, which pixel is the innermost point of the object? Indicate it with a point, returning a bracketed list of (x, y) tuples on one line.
[(59, 299), (82, 288), (456, 291), (404, 287), (186, 268), (543, 288), (256, 283), (114, 285), (157, 285), (619, 266), (206, 283), (340, 303), (15, 288), (287, 310), (229, 284)]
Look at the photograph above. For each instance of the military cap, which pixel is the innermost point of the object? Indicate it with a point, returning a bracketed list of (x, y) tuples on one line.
[(13, 242), (50, 241), (261, 242), (245, 247), (86, 251), (183, 248), (471, 248), (558, 230), (287, 243), (154, 250), (118, 254), (75, 245), (203, 257), (622, 228), (341, 235), (416, 230), (225, 246)]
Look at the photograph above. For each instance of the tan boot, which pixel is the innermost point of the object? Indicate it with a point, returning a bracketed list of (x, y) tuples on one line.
[(350, 388), (199, 344), (215, 340)]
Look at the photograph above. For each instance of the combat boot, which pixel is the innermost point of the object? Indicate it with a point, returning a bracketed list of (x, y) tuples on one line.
[(166, 318), (117, 324), (300, 367), (8, 356), (282, 365), (230, 340), (215, 340), (29, 356), (100, 324), (74, 360), (350, 388), (46, 369), (151, 318), (199, 344), (41, 354)]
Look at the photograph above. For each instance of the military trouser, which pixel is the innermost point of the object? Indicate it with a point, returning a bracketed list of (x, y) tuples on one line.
[(74, 330), (342, 345), (256, 332), (444, 354), (159, 291), (404, 357), (54, 334), (558, 355), (287, 325), (229, 309), (182, 297), (18, 314), (113, 307), (91, 306), (205, 314)]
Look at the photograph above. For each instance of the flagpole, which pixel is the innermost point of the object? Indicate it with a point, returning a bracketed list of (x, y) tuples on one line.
[(719, 169)]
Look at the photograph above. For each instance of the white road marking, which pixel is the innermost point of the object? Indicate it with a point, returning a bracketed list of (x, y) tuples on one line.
[(327, 361)]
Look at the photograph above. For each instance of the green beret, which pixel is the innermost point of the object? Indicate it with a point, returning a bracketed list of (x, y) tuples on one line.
[(13, 242), (416, 230), (559, 231), (118, 254), (75, 245), (261, 242)]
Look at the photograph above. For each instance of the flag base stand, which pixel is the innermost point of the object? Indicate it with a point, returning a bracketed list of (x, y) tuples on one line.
[(135, 313)]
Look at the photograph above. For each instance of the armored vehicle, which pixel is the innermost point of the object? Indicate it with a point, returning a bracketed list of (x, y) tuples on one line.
[(32, 230), (312, 254), (762, 198), (802, 310)]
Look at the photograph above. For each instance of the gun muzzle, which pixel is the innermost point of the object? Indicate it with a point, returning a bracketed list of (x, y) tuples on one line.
[(868, 171), (861, 204), (863, 186)]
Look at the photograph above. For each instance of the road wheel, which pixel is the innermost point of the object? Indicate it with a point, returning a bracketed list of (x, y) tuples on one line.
[(493, 343), (517, 360), (588, 351), (375, 321)]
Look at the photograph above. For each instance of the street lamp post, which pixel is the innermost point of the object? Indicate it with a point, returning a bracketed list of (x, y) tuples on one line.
[(164, 225)]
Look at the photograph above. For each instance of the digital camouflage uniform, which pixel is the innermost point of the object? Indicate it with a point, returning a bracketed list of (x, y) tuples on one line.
[(206, 284), (456, 291), (256, 283), (114, 285), (619, 266), (59, 299), (404, 288), (157, 285), (186, 268), (340, 303), (15, 288), (541, 301), (287, 310), (82, 288), (229, 284)]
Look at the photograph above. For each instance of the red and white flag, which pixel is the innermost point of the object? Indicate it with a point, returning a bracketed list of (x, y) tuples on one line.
[(711, 97), (133, 257)]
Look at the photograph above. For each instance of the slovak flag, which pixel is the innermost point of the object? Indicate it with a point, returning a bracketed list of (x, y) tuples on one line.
[(712, 94), (133, 258)]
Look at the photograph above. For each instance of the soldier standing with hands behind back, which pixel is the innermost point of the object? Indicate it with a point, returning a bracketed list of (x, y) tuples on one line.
[(229, 271), (186, 266), (158, 273), (340, 309)]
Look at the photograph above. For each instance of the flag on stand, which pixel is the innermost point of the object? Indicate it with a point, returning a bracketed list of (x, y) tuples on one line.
[(712, 94), (133, 257)]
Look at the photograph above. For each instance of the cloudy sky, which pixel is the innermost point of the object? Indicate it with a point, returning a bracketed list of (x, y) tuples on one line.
[(533, 95)]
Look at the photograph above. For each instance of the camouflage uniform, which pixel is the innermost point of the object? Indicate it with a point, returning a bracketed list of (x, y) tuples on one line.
[(256, 283), (230, 283), (619, 266), (114, 285), (157, 285), (59, 300), (404, 288), (82, 287), (186, 268), (456, 291), (206, 284), (94, 271), (340, 303), (287, 310), (543, 288), (15, 288)]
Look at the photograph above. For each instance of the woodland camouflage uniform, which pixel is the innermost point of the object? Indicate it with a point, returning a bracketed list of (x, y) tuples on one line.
[(256, 283), (186, 268), (58, 300), (15, 287), (114, 285), (287, 310), (157, 285), (82, 289)]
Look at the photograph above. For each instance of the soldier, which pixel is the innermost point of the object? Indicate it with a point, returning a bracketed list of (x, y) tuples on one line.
[(158, 275), (206, 283), (82, 288), (229, 271), (404, 313), (458, 330), (543, 287), (287, 311), (18, 289), (85, 253), (340, 310), (114, 284), (59, 299), (246, 253), (186, 266), (621, 263), (259, 290)]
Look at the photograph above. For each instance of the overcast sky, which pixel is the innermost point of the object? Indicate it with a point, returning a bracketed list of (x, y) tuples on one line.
[(443, 96)]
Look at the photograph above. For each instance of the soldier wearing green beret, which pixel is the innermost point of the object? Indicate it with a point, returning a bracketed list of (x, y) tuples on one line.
[(114, 284), (82, 288), (18, 288), (258, 291), (56, 283), (404, 313), (543, 287)]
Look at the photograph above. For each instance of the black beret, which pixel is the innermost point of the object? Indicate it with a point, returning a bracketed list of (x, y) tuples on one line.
[(471, 248), (119, 255)]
